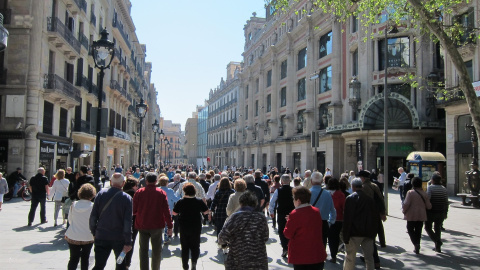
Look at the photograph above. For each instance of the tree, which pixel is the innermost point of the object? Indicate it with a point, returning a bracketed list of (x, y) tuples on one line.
[(425, 15)]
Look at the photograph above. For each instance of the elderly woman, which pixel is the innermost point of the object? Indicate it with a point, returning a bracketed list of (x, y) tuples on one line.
[(304, 229), (246, 232), (59, 193), (415, 212), (172, 199), (130, 187), (189, 210), (339, 203), (219, 203), (233, 202)]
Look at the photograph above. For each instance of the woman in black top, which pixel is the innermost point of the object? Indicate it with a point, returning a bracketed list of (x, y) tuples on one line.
[(189, 210), (220, 201), (130, 187)]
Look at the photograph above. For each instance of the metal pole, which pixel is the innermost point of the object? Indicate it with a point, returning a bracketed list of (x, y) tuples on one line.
[(315, 161), (96, 172), (385, 127), (140, 146), (154, 152), (161, 143)]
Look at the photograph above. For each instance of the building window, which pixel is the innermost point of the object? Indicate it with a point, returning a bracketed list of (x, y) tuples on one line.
[(325, 46), (246, 112), (246, 92), (63, 122), (301, 89), (281, 126), (402, 89), (302, 58), (283, 97), (283, 70), (269, 103), (47, 117), (467, 22), (269, 78), (300, 121), (256, 107), (257, 85), (398, 52), (326, 79), (355, 63), (469, 67), (354, 26)]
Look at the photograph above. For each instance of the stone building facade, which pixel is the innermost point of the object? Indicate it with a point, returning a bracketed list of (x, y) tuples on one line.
[(49, 86)]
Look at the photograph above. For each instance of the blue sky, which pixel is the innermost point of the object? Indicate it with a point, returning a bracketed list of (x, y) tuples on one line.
[(190, 43)]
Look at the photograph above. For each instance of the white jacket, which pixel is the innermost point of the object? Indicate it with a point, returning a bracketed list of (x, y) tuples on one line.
[(78, 218), (59, 189)]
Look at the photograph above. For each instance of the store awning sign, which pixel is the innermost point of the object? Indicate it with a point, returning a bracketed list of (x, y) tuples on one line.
[(47, 150), (63, 149)]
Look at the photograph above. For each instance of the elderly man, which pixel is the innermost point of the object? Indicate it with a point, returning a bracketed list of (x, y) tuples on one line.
[(435, 217), (307, 182), (401, 179), (38, 186), (282, 200), (111, 222), (324, 202), (151, 210), (263, 185), (256, 190), (213, 188), (176, 182), (360, 225), (199, 192)]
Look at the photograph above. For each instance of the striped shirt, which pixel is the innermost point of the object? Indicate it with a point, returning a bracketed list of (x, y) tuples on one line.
[(439, 198)]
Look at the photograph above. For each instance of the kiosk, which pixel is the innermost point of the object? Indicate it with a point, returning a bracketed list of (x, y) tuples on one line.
[(424, 164)]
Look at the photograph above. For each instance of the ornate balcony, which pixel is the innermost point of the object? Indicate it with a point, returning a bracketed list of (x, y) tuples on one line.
[(84, 41), (115, 85), (119, 134), (117, 26), (60, 36), (77, 5), (93, 19), (56, 86)]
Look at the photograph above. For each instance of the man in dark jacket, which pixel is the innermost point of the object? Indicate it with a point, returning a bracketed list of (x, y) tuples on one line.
[(256, 190), (360, 225), (264, 186), (38, 186), (14, 180), (83, 179), (282, 200)]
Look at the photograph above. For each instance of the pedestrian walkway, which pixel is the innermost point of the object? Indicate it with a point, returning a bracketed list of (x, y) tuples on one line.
[(42, 246)]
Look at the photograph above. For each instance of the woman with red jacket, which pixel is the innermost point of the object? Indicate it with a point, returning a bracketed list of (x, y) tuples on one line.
[(304, 229)]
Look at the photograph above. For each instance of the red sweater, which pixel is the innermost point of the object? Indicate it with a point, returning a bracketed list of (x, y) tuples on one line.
[(304, 229), (339, 203), (150, 206)]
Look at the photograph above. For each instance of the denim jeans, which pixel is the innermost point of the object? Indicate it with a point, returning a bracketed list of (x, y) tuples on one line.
[(102, 250), (16, 187), (33, 208)]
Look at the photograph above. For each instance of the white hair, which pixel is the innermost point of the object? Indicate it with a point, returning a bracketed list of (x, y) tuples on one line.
[(224, 174), (317, 177), (117, 178), (285, 178), (249, 178), (308, 173), (192, 175)]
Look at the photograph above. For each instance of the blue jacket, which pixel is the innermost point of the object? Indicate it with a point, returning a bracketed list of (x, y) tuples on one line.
[(171, 198), (324, 204)]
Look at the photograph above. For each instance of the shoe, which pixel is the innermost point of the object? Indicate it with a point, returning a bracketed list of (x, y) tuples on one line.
[(442, 228), (377, 265), (285, 253), (45, 221), (194, 266), (438, 245), (29, 224), (333, 260), (54, 224), (417, 249)]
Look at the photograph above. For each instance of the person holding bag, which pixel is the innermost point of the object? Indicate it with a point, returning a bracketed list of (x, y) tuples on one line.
[(59, 193), (415, 212)]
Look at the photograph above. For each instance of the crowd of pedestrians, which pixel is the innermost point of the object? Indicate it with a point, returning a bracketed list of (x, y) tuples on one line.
[(346, 212)]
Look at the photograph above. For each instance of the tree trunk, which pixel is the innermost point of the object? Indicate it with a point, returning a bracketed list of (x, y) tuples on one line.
[(457, 60)]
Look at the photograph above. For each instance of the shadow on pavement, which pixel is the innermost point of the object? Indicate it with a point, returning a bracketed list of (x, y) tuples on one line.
[(58, 243), (219, 258)]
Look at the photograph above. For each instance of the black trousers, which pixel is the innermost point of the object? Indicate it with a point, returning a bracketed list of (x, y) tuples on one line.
[(435, 220), (281, 221), (78, 252), (190, 242), (128, 257), (334, 238), (325, 230), (33, 208), (414, 229), (176, 225), (317, 266)]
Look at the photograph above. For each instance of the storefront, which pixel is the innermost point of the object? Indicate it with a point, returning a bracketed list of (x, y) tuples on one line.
[(47, 155)]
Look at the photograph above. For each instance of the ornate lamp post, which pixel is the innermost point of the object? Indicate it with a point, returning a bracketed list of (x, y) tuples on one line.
[(167, 143), (141, 109), (155, 127), (103, 52), (162, 135), (473, 176), (354, 97)]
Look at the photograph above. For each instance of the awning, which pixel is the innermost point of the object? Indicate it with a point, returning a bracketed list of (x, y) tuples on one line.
[(427, 156)]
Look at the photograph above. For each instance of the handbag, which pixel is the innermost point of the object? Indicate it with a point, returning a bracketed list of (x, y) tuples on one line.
[(64, 199)]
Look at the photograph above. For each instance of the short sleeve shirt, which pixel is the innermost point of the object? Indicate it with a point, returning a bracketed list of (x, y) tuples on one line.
[(38, 184), (189, 211)]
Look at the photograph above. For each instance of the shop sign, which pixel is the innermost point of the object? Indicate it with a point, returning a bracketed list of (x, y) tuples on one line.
[(47, 150), (110, 151), (63, 149)]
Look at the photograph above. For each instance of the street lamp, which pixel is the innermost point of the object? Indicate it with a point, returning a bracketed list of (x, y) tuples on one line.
[(314, 132), (102, 50), (141, 109), (167, 143), (162, 135), (155, 127)]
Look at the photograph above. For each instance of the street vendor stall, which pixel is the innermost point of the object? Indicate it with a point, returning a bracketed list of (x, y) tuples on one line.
[(424, 164)]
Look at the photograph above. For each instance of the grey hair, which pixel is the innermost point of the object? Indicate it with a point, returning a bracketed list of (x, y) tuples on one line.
[(224, 174), (217, 177), (317, 177), (192, 175), (117, 178), (202, 176), (177, 176), (285, 178), (308, 172), (357, 182), (249, 178), (40, 170)]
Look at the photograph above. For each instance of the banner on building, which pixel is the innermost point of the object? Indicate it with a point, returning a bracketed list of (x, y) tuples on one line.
[(47, 150), (63, 149), (359, 149)]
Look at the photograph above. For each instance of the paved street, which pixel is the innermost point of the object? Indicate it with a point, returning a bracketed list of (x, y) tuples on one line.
[(42, 246)]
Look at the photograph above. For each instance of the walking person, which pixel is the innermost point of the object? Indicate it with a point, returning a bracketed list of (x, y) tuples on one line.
[(324, 202), (233, 201), (150, 208), (305, 248), (172, 200), (130, 187), (111, 223), (438, 213), (415, 211), (78, 235), (246, 234), (219, 203), (189, 210), (334, 231), (38, 186), (360, 225), (282, 202), (401, 182), (59, 193), (3, 189)]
